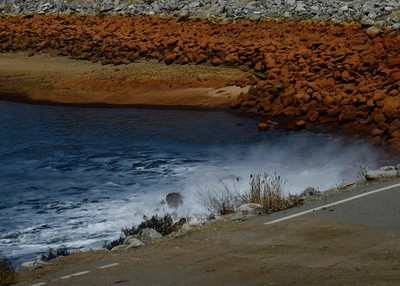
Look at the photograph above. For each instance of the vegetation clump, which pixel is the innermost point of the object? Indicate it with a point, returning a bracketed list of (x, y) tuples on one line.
[(8, 273), (223, 198), (266, 190), (163, 225), (52, 254)]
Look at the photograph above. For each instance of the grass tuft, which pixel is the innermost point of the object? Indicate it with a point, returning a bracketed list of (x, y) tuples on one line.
[(8, 274), (266, 190), (164, 225), (222, 199), (52, 254)]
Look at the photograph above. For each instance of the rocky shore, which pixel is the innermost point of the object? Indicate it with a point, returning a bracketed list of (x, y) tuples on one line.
[(345, 75)]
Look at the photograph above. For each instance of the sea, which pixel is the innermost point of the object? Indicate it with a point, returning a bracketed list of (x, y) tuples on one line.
[(74, 177)]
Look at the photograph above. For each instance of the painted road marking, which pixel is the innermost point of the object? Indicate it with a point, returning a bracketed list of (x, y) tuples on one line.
[(109, 265), (332, 204), (75, 274), (41, 283)]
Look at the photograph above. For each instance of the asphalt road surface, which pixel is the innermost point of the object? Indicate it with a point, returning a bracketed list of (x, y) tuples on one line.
[(376, 205)]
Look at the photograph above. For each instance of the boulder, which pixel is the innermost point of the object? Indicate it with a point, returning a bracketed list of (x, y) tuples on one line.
[(251, 209), (382, 173), (309, 192), (147, 235), (134, 243), (32, 265), (174, 200)]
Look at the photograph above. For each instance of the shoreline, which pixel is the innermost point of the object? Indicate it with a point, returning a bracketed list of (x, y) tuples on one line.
[(343, 75)]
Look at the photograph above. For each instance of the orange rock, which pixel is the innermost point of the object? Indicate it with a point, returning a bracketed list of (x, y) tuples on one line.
[(290, 128), (290, 110), (301, 124), (202, 58), (265, 105), (170, 58), (395, 77), (384, 126), (379, 95), (389, 109), (312, 115), (237, 103), (259, 67), (252, 91), (248, 104), (216, 61), (277, 110), (393, 92), (380, 117), (334, 112), (231, 59), (260, 85), (347, 116), (377, 132), (263, 126), (328, 101), (395, 134)]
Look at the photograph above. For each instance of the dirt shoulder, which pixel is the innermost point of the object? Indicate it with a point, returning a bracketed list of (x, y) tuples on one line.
[(59, 80), (295, 252)]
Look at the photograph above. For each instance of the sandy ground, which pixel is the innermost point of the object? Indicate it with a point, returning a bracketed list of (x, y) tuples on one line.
[(47, 79), (295, 252)]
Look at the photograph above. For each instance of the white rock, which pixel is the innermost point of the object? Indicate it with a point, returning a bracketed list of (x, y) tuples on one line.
[(134, 243), (249, 207)]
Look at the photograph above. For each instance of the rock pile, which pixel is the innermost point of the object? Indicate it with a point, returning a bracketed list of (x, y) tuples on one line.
[(384, 13), (328, 72)]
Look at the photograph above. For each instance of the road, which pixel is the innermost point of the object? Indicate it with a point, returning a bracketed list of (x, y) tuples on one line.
[(375, 205), (352, 238)]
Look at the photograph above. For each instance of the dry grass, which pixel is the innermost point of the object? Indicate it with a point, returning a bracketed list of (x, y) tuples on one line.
[(8, 273), (266, 190), (222, 199)]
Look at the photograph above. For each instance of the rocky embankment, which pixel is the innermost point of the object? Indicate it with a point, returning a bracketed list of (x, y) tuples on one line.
[(342, 74)]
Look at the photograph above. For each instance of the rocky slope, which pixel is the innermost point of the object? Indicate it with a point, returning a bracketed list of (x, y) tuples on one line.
[(346, 75)]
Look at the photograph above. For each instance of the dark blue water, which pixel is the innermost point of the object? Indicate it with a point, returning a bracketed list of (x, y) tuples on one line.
[(76, 176)]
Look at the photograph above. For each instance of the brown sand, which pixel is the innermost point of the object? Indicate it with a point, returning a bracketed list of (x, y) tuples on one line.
[(59, 80)]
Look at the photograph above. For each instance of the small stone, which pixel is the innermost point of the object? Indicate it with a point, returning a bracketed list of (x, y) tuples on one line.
[(148, 234), (309, 192), (373, 31), (134, 243), (237, 216)]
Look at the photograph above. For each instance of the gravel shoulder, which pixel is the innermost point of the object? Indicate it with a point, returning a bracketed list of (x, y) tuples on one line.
[(295, 252)]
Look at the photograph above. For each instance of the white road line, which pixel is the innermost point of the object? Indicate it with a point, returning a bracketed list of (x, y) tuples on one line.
[(109, 265), (38, 284), (75, 274), (332, 204)]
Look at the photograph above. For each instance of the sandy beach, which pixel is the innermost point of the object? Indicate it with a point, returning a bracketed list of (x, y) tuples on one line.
[(44, 79)]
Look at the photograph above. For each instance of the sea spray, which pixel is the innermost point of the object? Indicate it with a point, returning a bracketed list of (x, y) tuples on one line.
[(75, 177)]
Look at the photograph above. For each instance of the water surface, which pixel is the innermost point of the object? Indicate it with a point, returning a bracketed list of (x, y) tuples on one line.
[(76, 176)]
